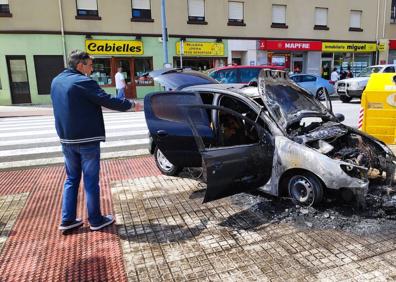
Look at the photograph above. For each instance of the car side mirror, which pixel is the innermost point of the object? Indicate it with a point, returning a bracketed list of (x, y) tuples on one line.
[(340, 117), (394, 79)]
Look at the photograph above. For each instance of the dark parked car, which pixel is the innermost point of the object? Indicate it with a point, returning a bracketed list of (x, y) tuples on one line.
[(276, 138), (239, 74)]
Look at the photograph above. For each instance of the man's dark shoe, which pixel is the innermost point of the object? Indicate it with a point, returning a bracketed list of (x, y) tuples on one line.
[(106, 220), (67, 225)]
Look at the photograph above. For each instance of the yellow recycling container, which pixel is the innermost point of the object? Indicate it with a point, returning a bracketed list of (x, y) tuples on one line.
[(377, 114)]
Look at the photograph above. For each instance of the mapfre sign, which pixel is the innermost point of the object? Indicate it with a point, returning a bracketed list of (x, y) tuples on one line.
[(290, 45)]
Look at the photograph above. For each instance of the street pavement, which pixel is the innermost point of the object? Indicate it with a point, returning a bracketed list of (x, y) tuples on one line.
[(32, 140)]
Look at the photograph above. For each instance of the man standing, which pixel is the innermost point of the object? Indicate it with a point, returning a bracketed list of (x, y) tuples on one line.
[(334, 76), (120, 83), (77, 103)]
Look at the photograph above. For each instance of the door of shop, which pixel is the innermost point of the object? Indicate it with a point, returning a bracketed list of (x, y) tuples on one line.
[(128, 70), (18, 78), (326, 67)]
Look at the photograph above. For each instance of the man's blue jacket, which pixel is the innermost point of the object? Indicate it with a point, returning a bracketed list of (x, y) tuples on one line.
[(77, 102)]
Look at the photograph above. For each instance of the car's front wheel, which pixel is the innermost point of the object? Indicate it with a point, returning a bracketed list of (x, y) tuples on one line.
[(345, 99), (321, 94), (305, 189), (165, 166)]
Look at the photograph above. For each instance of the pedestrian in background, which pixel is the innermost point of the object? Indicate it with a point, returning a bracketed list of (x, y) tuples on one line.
[(334, 76), (77, 103), (120, 83), (349, 73)]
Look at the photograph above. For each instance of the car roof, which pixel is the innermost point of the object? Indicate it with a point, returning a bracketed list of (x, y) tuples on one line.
[(386, 65), (236, 88), (247, 67)]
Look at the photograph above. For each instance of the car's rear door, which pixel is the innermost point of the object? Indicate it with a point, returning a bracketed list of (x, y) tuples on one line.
[(166, 120), (237, 168)]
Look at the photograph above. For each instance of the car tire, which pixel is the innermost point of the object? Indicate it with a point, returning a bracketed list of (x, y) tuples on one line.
[(305, 189), (345, 99), (321, 94), (165, 166)]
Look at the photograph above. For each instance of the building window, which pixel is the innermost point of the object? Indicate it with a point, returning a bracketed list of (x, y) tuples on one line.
[(279, 16), (235, 13), (142, 67), (321, 19), (141, 11), (355, 21), (5, 9), (196, 12), (46, 67), (87, 9), (102, 71), (393, 12)]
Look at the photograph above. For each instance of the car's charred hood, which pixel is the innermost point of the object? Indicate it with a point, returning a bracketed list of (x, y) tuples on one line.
[(286, 101)]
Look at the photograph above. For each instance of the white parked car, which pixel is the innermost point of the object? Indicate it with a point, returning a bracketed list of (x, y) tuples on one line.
[(353, 87)]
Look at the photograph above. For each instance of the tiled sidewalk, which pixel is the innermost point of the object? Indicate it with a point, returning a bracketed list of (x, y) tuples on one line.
[(35, 250), (165, 233)]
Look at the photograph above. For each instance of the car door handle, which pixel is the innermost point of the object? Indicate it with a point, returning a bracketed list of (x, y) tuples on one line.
[(162, 133)]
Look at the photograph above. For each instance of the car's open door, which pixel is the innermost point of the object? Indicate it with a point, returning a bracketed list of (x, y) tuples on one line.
[(168, 126), (238, 168)]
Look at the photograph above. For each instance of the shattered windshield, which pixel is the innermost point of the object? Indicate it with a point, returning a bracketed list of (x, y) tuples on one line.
[(288, 103), (368, 71)]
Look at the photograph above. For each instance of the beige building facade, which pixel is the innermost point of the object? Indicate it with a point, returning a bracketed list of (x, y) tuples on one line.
[(311, 36)]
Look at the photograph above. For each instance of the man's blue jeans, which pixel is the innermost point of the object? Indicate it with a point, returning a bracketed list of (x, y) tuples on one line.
[(82, 158), (121, 93)]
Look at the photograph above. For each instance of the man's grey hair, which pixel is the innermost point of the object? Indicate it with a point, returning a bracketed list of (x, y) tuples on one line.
[(76, 57)]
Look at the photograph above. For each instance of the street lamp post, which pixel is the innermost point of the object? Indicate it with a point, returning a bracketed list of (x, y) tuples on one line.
[(164, 34)]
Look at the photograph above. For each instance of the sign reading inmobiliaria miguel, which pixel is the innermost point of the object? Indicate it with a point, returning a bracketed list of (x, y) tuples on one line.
[(290, 45)]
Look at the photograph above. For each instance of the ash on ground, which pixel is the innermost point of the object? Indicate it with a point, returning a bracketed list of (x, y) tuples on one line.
[(378, 216), (260, 209)]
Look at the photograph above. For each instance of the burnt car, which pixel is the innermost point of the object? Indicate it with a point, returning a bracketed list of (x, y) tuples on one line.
[(275, 137)]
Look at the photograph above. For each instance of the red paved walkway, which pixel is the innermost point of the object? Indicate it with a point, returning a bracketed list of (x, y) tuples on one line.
[(36, 250)]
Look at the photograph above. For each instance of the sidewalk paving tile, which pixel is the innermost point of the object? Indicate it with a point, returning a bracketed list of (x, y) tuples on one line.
[(163, 232)]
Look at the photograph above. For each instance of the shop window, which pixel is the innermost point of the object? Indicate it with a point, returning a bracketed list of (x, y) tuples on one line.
[(47, 67), (141, 11), (393, 12), (355, 21), (87, 9), (5, 9), (321, 19), (196, 12), (102, 71), (235, 13), (142, 67), (279, 16)]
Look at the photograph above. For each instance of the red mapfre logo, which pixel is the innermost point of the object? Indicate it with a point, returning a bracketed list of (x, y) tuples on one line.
[(286, 45)]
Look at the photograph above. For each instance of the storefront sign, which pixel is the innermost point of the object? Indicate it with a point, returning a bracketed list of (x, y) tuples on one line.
[(381, 47), (348, 47), (392, 44), (114, 47), (286, 45), (201, 49)]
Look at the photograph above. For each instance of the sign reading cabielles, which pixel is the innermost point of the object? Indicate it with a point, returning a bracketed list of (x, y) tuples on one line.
[(114, 47)]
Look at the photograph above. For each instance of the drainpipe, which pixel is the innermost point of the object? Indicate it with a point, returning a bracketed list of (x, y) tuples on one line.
[(164, 34), (383, 27), (377, 32), (62, 33)]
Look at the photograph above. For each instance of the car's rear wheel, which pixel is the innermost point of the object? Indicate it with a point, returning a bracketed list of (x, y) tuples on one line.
[(165, 166), (305, 189), (321, 94), (345, 99)]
